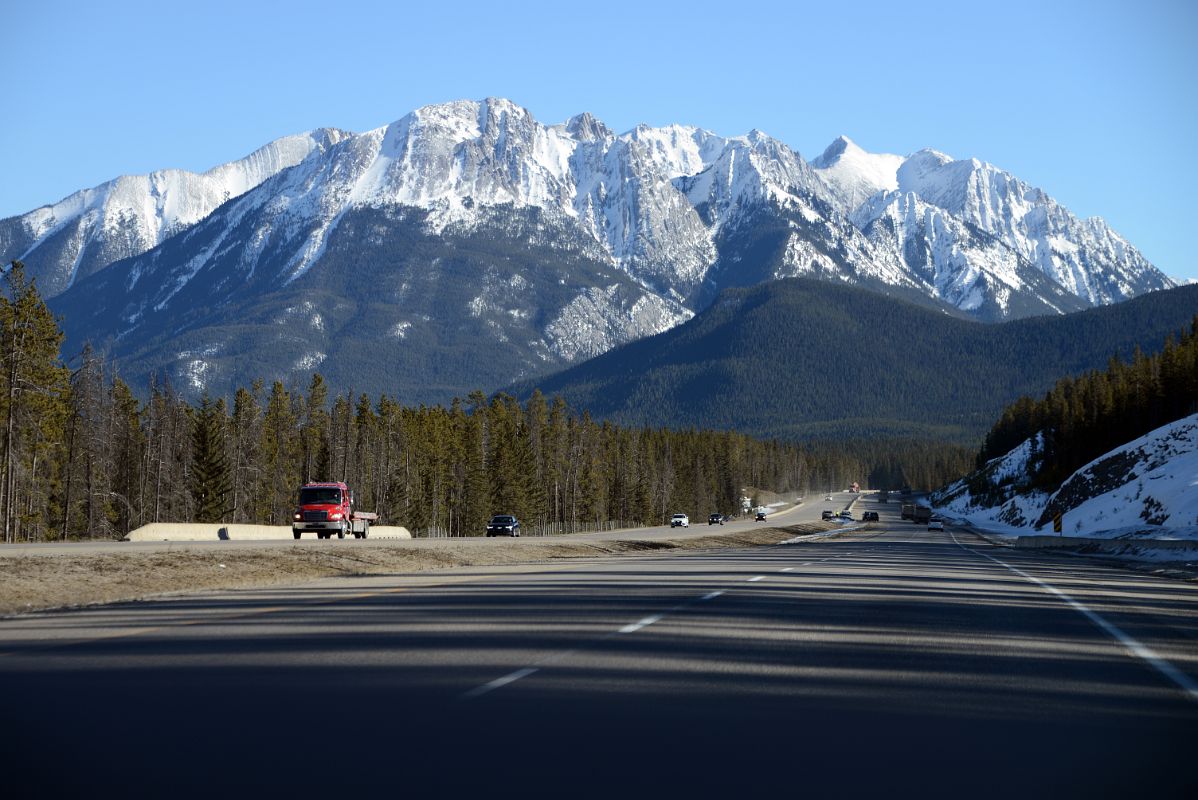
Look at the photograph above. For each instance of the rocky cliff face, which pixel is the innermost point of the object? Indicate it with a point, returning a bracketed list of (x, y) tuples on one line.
[(662, 219)]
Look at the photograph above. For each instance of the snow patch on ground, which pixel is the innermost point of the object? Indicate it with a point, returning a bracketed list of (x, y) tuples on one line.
[(1146, 489)]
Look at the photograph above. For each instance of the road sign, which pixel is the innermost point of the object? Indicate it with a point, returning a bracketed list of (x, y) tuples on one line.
[(1057, 522)]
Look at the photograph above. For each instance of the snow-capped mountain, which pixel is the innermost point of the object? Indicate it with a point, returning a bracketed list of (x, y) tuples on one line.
[(1084, 257), (85, 232), (633, 233), (968, 268), (853, 175)]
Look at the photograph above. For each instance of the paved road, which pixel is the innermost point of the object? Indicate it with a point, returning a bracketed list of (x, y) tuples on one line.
[(889, 660)]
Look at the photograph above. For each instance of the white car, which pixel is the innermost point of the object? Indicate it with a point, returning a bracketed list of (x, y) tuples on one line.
[(935, 524), (680, 521)]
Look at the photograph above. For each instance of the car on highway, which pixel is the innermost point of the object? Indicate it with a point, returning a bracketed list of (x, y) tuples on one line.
[(828, 499), (759, 516), (680, 521), (828, 514), (503, 525), (869, 516), (715, 519), (935, 524), (847, 516)]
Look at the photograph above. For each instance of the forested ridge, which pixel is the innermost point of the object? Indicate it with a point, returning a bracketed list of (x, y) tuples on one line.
[(809, 359), (84, 456), (1083, 417)]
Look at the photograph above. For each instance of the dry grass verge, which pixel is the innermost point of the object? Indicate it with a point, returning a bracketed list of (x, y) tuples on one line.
[(39, 582)]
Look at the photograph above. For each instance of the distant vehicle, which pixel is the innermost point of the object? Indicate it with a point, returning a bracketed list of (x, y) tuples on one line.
[(922, 514), (854, 487), (828, 514), (759, 516), (680, 521), (935, 524), (715, 519), (828, 499), (869, 516), (503, 525), (906, 491), (908, 511), (847, 516), (883, 496)]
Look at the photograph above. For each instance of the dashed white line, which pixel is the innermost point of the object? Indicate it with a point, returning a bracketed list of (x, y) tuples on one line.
[(1185, 682), (786, 569), (754, 580), (512, 677), (479, 691), (644, 623)]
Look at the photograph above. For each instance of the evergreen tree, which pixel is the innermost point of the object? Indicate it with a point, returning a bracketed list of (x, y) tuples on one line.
[(210, 482)]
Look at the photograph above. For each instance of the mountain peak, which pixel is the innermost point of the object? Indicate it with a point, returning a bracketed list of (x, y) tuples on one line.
[(833, 152), (585, 127)]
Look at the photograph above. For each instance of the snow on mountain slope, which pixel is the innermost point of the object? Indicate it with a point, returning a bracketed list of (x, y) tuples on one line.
[(1086, 257), (969, 269), (1146, 488), (853, 175), (656, 201), (90, 229)]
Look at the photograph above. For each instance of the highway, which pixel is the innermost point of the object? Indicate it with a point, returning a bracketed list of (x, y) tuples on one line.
[(804, 512), (888, 659)]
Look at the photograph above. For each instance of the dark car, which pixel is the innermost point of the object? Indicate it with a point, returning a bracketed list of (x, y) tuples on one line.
[(715, 519), (760, 516), (503, 525), (869, 516), (828, 514)]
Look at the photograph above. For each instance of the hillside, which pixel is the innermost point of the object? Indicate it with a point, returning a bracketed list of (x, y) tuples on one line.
[(810, 359), (1143, 488)]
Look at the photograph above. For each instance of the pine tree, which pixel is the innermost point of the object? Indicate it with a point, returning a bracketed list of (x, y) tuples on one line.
[(210, 482), (33, 385)]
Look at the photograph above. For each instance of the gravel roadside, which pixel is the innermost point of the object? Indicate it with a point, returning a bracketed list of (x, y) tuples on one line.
[(40, 582)]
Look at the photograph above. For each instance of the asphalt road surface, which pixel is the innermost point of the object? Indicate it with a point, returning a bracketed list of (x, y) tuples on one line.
[(888, 661)]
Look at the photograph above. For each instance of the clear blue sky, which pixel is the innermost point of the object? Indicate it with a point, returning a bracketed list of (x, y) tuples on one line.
[(1093, 101)]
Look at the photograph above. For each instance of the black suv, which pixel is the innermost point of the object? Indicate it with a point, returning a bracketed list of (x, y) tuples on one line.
[(503, 525), (828, 514), (715, 519), (869, 516)]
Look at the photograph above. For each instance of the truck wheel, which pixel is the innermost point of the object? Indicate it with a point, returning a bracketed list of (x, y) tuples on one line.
[(341, 533), (296, 534), (365, 529)]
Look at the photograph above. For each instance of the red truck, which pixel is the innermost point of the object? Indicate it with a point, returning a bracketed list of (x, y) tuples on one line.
[(327, 508)]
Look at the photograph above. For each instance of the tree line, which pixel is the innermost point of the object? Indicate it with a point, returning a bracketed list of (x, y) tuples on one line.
[(83, 456), (1081, 418)]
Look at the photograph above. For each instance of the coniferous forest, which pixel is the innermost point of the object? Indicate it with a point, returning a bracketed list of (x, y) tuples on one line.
[(1085, 417), (84, 456)]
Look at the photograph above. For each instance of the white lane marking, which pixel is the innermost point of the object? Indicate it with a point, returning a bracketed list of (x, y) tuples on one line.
[(644, 623), (479, 691), (1187, 684), (754, 580), (805, 564), (786, 569)]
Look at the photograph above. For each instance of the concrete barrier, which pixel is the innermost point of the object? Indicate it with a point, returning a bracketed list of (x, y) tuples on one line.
[(210, 531)]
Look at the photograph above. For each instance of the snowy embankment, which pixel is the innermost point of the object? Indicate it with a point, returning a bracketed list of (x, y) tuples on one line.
[(1145, 490)]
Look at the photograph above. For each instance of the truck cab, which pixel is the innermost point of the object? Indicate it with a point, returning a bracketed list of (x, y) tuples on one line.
[(325, 509)]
